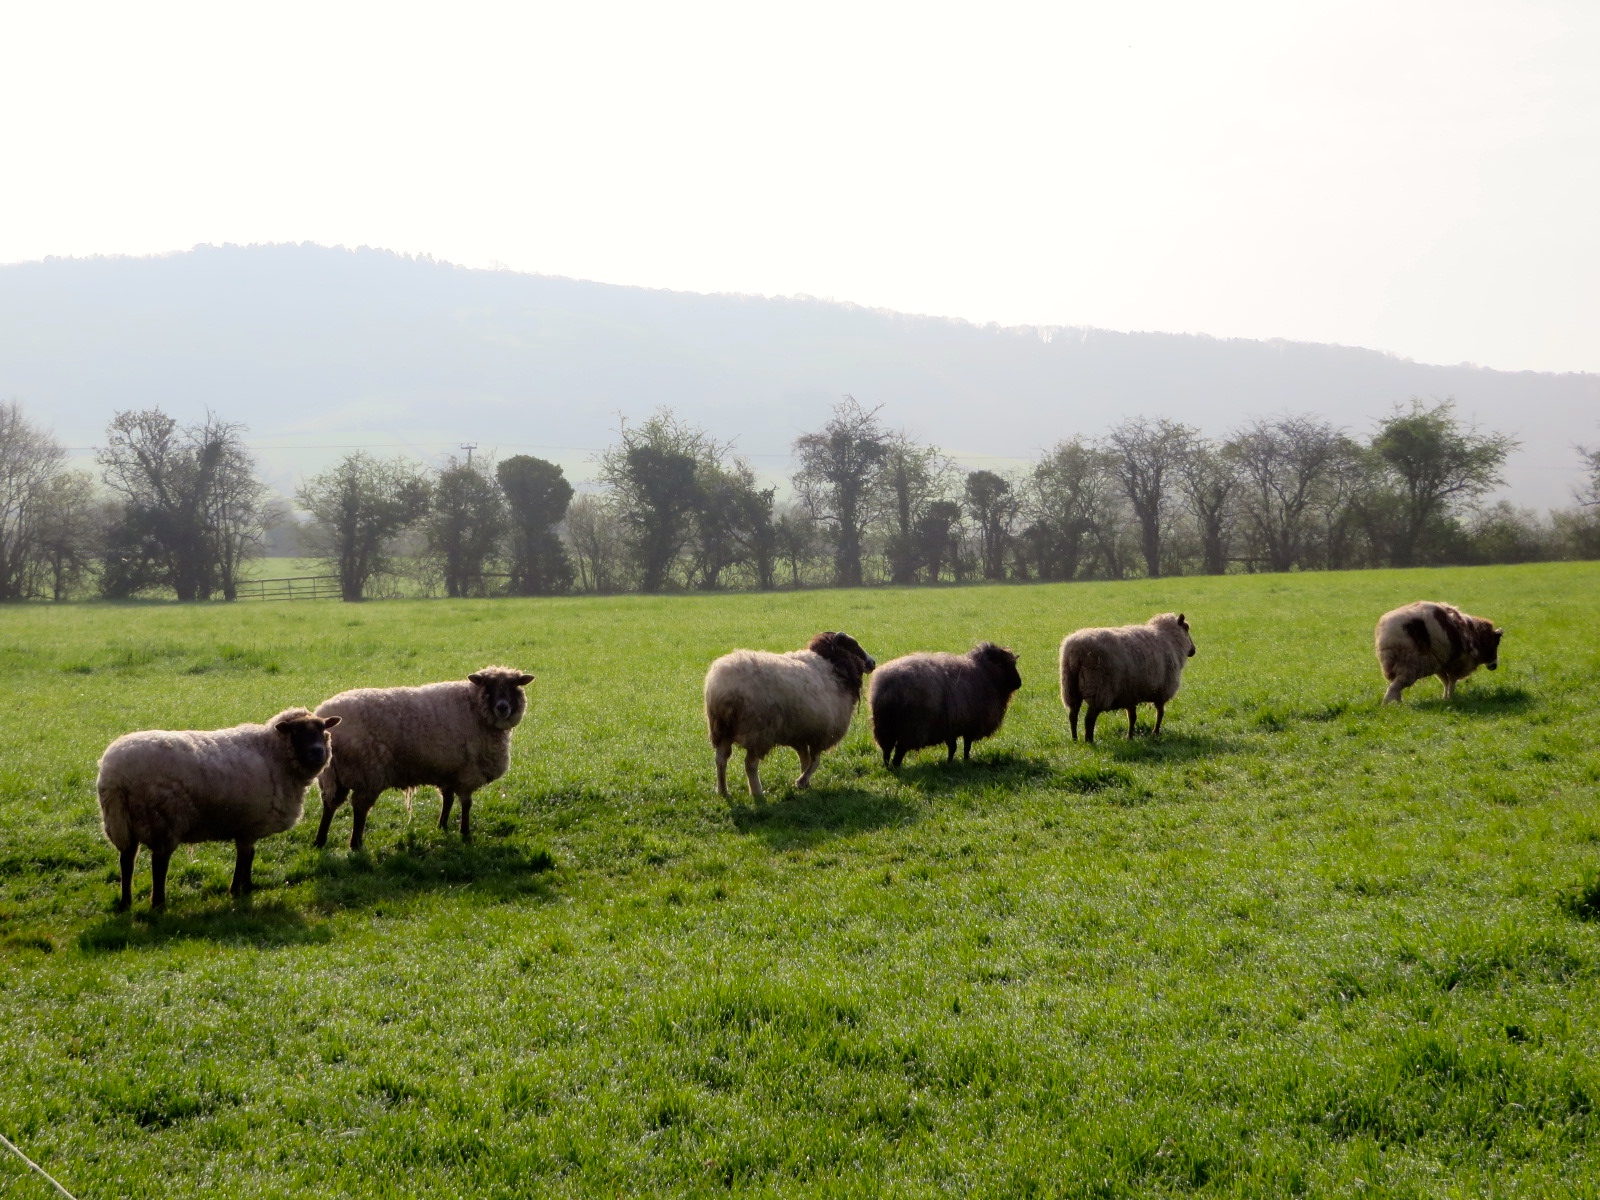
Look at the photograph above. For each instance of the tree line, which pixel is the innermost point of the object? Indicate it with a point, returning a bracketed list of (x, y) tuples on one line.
[(180, 509)]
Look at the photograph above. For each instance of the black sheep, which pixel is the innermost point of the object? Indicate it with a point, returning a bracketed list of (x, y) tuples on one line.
[(937, 699)]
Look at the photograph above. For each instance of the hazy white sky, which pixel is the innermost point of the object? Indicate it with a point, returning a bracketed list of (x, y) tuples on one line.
[(1421, 177)]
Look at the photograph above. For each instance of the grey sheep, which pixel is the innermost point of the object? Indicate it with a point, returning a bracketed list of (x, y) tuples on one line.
[(1124, 667), (166, 788), (935, 699), (453, 736), (803, 699), (1425, 639)]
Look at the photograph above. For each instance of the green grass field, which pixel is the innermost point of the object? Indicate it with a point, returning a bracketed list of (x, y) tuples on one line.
[(1297, 945)]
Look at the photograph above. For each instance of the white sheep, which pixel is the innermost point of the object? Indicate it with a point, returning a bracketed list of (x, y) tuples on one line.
[(453, 736), (1124, 667), (164, 788), (803, 699)]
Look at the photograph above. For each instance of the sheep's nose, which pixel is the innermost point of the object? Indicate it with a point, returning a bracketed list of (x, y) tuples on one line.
[(1191, 651), (502, 709), (1494, 666)]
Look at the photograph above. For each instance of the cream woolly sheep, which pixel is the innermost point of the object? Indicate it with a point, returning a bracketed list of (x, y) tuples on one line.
[(803, 699), (1124, 667), (163, 788), (1425, 639), (453, 736)]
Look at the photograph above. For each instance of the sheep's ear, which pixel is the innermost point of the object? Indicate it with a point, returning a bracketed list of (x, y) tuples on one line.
[(478, 679), (524, 680), (1181, 621), (329, 722)]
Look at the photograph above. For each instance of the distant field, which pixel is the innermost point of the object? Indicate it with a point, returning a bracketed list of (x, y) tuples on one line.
[(1297, 945), (279, 568)]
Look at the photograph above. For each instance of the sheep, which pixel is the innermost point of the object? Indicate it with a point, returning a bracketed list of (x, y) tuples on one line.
[(1124, 668), (165, 788), (803, 699), (928, 699), (453, 736), (1425, 639)]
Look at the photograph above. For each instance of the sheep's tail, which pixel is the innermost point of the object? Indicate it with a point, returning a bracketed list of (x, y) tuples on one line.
[(1072, 680), (114, 815), (721, 722)]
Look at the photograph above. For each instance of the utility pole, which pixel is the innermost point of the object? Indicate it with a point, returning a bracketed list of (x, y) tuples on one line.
[(469, 447)]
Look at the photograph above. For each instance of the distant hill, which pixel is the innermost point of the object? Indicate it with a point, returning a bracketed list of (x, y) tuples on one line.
[(317, 349)]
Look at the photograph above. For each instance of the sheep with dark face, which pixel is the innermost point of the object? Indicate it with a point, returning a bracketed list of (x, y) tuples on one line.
[(937, 699), (453, 736), (1124, 667), (803, 699), (1425, 639), (166, 788)]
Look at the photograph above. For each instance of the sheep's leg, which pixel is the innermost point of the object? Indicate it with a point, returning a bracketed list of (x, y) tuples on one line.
[(244, 856), (466, 816), (899, 755), (158, 876), (1089, 719), (723, 754), (330, 805), (128, 853), (1396, 689), (752, 773), (810, 756), (966, 749), (1076, 705), (360, 805), (950, 751), (447, 797), (1449, 685), (1133, 719), (888, 755), (1161, 710)]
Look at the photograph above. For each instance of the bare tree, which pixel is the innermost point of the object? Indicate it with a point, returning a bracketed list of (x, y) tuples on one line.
[(537, 495), (911, 478), (71, 532), (1073, 503), (938, 537), (238, 508), (653, 474), (1208, 483), (797, 540), (1588, 495), (359, 507), (1291, 467), (1145, 458), (837, 480), (191, 493), (1433, 464), (595, 534), (30, 463), (732, 523), (465, 525), (993, 505)]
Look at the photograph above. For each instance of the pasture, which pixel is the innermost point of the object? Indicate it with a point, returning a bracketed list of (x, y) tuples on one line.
[(1300, 944)]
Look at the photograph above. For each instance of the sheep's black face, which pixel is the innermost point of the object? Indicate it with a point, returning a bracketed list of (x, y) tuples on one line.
[(849, 660), (1489, 647), (1184, 625), (503, 698), (308, 741), (1002, 667)]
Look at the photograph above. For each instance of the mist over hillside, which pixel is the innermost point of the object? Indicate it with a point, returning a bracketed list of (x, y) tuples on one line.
[(320, 349)]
